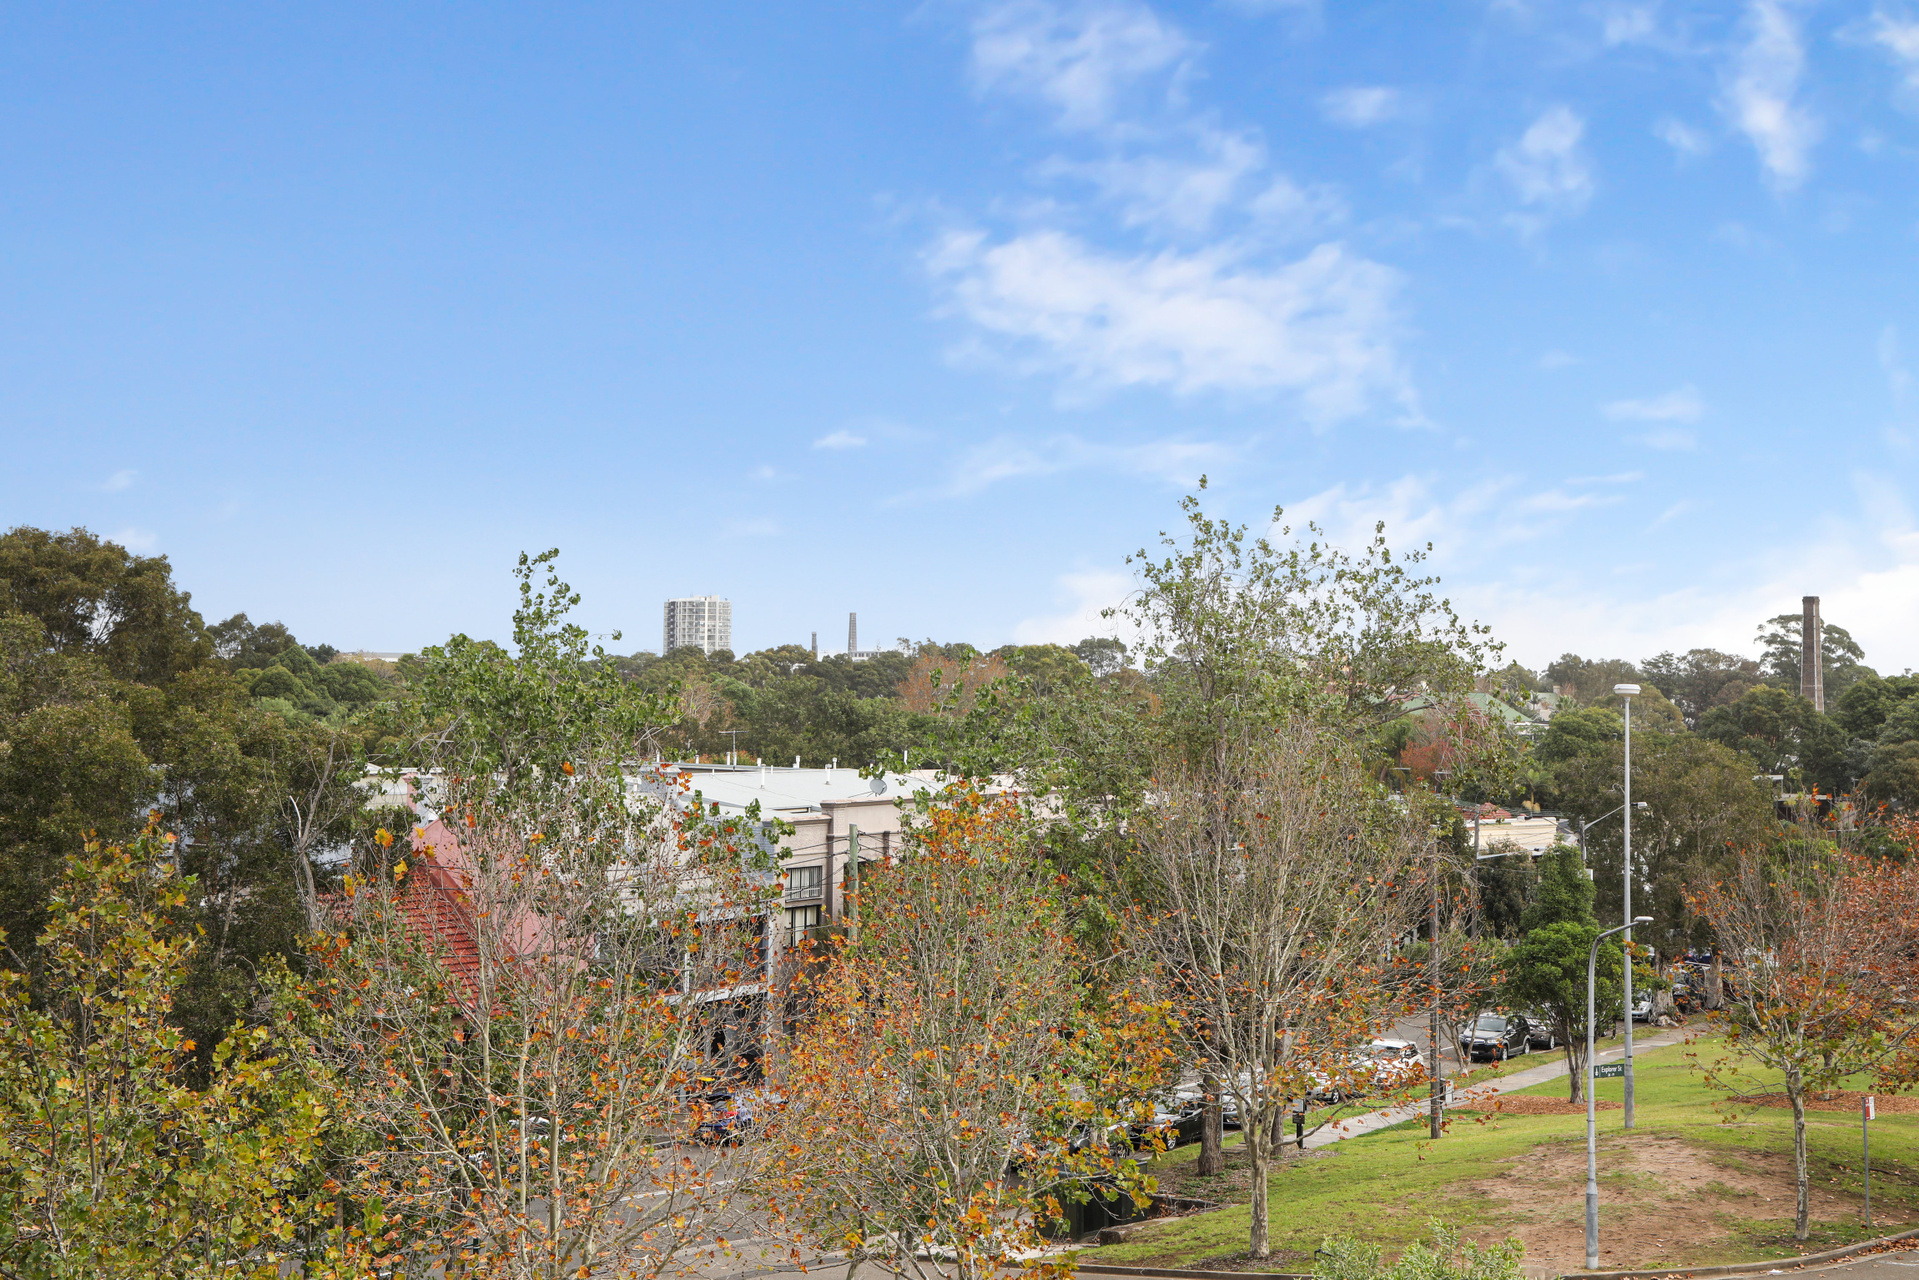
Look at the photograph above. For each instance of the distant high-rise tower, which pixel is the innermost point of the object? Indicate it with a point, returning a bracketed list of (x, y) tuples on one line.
[(704, 622), (1812, 657), (852, 634), (816, 646)]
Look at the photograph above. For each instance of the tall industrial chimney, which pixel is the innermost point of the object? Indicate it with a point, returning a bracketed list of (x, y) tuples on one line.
[(852, 634), (816, 646), (1812, 666)]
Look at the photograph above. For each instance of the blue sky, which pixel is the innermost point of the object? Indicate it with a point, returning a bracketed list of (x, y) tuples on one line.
[(933, 311)]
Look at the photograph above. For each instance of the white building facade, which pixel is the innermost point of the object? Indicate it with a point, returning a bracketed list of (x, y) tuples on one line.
[(705, 622)]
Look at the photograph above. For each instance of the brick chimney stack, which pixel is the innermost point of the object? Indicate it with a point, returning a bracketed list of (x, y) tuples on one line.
[(1812, 666)]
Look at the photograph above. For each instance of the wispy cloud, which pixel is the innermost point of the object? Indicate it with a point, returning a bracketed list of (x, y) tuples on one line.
[(1669, 439), (1320, 327), (1362, 106), (119, 481), (1759, 91), (1174, 461), (1682, 404), (1081, 60), (1546, 166), (1687, 141), (840, 440), (1083, 597), (1197, 177), (1627, 23), (1899, 37), (139, 541)]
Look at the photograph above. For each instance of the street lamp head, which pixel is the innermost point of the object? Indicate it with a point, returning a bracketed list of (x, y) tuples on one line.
[(1642, 919), (1627, 689), (1641, 804)]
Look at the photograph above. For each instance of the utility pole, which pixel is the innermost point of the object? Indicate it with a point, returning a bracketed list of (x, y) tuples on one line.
[(852, 883), (1437, 1106), (1627, 691)]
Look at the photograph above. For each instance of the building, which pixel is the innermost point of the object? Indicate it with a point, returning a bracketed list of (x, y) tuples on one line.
[(703, 622)]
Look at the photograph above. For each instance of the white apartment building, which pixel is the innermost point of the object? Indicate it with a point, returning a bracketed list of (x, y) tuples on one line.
[(703, 621)]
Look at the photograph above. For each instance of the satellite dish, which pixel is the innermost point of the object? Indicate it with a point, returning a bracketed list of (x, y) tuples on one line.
[(879, 784)]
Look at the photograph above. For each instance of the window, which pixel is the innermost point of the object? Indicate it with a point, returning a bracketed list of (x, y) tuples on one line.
[(801, 919), (805, 884)]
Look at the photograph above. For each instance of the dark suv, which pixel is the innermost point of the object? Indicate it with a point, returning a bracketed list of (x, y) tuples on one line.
[(1494, 1037)]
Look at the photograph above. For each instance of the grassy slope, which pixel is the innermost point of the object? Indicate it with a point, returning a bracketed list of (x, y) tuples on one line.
[(1386, 1186)]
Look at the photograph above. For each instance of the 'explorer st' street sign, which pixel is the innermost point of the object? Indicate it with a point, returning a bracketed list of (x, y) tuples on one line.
[(1609, 1070)]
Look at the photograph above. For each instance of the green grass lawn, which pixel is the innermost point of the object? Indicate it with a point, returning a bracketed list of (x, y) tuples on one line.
[(1386, 1186)]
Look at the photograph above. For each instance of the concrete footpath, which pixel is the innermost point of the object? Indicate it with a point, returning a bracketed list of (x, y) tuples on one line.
[(1352, 1127)]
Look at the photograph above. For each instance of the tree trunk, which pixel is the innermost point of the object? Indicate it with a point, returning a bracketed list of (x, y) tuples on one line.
[(1716, 983), (1575, 1068), (1796, 1091), (1212, 1132), (1259, 1150)]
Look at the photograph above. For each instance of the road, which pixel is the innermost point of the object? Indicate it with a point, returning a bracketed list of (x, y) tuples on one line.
[(1880, 1266)]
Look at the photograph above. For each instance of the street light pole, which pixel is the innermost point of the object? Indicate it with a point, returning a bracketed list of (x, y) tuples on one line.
[(1627, 691), (1592, 1109)]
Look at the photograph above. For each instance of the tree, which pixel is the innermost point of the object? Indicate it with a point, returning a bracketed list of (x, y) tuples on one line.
[(1103, 655), (1274, 898), (1546, 969), (1589, 680), (1844, 661), (1782, 733), (955, 1078), (111, 1163), (1827, 949), (1701, 798), (1701, 679), (97, 598), (518, 1013)]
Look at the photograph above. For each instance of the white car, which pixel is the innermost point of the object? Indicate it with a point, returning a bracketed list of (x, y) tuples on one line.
[(1380, 1067)]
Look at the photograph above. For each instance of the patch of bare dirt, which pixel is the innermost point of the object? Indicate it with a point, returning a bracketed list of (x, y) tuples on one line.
[(1662, 1202), (1832, 1100), (1528, 1104)]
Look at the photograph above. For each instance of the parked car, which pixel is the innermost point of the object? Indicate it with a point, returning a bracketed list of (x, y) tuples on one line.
[(1642, 1007), (1494, 1037), (1380, 1067), (1539, 1032), (728, 1115)]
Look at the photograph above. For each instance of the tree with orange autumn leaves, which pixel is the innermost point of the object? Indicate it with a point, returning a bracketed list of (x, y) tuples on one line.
[(1824, 948), (527, 1015), (956, 1077)]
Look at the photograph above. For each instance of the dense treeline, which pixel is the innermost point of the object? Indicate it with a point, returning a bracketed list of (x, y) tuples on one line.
[(1243, 839)]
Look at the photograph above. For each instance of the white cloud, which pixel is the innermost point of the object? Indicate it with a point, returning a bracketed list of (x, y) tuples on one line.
[(119, 481), (1228, 174), (1321, 327), (1361, 106), (1682, 137), (764, 473), (1899, 37), (1083, 596), (1546, 167), (1758, 94), (1557, 359), (1669, 439), (1682, 404), (139, 541), (840, 440), (1175, 461), (1625, 23), (1078, 58)]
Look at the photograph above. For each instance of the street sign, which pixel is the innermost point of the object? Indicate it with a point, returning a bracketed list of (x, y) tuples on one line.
[(1871, 1105), (1609, 1071)]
